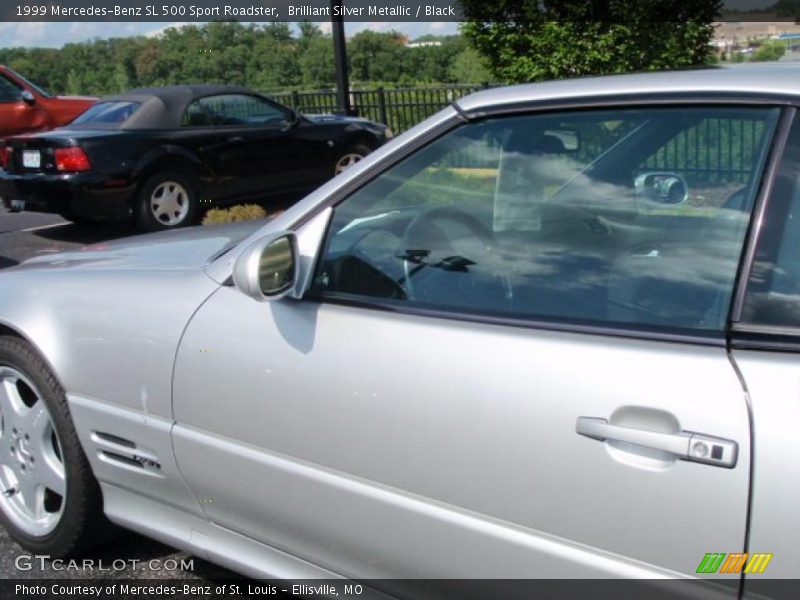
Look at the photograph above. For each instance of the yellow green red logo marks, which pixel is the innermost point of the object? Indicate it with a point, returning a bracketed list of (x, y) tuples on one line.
[(736, 562)]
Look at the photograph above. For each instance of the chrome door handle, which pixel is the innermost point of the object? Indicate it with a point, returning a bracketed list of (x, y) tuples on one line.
[(236, 138), (685, 445)]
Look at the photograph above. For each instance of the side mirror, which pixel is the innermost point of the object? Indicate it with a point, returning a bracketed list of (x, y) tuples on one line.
[(27, 97), (268, 269), (662, 187)]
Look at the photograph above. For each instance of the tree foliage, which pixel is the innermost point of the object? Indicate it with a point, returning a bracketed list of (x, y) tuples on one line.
[(261, 56), (531, 40), (771, 50)]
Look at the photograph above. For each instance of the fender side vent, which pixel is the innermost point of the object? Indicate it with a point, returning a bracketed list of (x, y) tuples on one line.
[(113, 456), (107, 437)]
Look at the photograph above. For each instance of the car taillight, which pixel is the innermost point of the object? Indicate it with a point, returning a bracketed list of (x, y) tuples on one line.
[(72, 159), (5, 156)]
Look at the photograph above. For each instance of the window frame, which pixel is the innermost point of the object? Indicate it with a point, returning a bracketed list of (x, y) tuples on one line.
[(744, 335), (13, 83), (761, 184), (286, 111)]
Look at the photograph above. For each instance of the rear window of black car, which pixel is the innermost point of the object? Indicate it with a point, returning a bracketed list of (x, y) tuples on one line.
[(107, 113)]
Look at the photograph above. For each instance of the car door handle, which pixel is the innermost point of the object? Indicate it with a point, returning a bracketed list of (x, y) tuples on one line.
[(686, 445), (236, 138)]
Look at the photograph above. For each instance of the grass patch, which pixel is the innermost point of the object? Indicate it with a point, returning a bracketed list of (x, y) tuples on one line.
[(234, 214)]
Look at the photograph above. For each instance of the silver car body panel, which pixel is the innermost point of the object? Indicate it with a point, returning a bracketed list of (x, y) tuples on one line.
[(769, 80), (455, 441), (346, 446), (774, 388)]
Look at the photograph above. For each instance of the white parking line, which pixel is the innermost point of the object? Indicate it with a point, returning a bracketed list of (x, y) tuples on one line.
[(43, 227)]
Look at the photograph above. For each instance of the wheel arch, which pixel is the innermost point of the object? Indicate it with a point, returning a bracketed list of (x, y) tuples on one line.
[(7, 329), (366, 138), (170, 158)]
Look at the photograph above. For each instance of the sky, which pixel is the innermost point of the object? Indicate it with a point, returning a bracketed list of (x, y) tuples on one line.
[(55, 35)]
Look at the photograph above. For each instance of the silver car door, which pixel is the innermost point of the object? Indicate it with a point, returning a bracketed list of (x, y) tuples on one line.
[(511, 361), (765, 348)]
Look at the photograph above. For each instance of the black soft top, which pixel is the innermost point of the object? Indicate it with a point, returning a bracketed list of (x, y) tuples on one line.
[(163, 107)]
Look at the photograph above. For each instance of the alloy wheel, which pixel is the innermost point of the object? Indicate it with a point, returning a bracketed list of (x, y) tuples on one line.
[(33, 483), (169, 203), (347, 161)]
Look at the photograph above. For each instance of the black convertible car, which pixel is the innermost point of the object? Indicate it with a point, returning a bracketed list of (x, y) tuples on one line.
[(161, 154)]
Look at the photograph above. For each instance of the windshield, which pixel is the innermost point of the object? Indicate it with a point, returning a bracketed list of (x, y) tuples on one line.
[(38, 89), (107, 113)]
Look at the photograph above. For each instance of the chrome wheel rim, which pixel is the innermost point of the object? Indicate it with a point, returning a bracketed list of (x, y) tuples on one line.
[(347, 161), (169, 203), (33, 483)]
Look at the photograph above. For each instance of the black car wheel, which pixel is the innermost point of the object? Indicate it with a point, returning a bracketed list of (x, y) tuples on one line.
[(50, 502), (351, 155), (167, 200)]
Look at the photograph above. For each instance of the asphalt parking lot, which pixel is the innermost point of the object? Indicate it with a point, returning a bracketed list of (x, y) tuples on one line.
[(22, 236)]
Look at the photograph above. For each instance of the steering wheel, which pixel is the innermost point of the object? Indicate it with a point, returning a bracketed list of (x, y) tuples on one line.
[(422, 235)]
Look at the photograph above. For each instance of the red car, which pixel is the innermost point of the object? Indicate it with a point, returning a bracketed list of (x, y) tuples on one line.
[(26, 107)]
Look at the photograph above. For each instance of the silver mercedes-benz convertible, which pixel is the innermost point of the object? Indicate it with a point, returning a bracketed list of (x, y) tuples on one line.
[(552, 331)]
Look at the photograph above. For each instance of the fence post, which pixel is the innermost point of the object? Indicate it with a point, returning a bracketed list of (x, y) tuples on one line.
[(295, 100), (382, 105)]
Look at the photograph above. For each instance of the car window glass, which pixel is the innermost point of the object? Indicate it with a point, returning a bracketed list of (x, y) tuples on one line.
[(195, 116), (558, 216), (240, 109), (773, 290), (107, 113), (41, 91), (9, 91)]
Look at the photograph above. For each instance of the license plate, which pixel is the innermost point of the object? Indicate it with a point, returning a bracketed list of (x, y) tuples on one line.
[(31, 159)]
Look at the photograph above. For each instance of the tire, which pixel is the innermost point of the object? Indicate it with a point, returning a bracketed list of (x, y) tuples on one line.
[(349, 156), (60, 524), (179, 208)]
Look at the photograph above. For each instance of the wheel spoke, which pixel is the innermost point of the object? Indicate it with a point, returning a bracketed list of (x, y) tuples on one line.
[(10, 401), (51, 475), (35, 421), (30, 492), (6, 458)]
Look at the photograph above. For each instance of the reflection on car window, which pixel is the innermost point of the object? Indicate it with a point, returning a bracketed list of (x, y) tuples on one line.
[(107, 113), (633, 217), (773, 291), (241, 109), (9, 91)]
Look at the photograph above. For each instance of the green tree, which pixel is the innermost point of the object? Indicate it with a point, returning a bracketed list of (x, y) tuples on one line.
[(770, 50), (74, 83), (375, 56), (316, 63), (530, 40), (468, 67)]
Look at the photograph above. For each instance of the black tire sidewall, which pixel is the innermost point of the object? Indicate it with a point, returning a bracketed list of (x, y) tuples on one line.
[(82, 508), (144, 216)]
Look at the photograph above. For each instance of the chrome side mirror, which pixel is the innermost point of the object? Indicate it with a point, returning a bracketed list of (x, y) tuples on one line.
[(268, 269), (662, 187), (27, 97)]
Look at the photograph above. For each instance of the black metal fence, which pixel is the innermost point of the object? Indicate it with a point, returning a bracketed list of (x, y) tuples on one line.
[(714, 151), (399, 108)]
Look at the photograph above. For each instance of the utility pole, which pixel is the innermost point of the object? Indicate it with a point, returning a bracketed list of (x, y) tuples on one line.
[(340, 59)]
